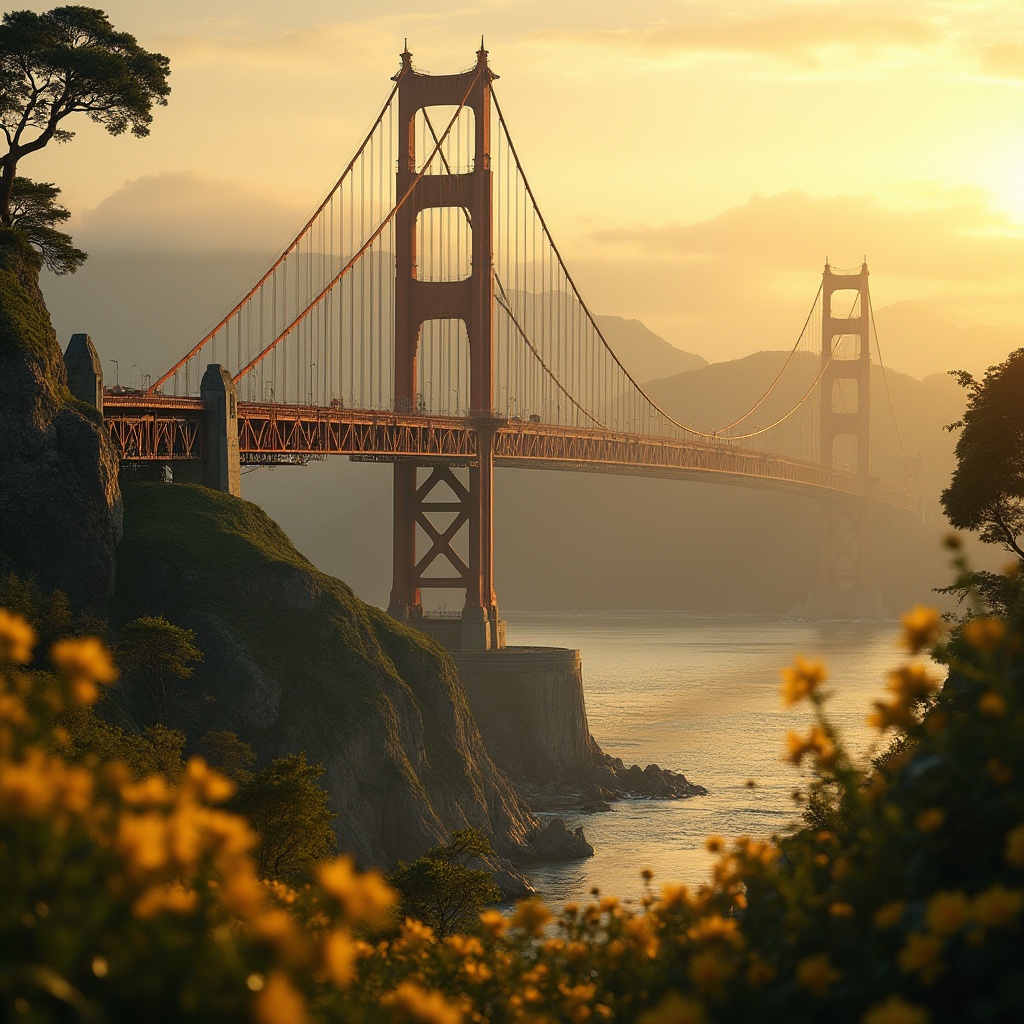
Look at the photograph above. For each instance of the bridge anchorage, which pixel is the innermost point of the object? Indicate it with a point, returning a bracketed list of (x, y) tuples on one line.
[(423, 316)]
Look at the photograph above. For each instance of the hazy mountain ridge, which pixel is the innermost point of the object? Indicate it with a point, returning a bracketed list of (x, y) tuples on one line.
[(568, 540)]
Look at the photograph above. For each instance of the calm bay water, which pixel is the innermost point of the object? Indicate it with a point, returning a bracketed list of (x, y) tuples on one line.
[(699, 696)]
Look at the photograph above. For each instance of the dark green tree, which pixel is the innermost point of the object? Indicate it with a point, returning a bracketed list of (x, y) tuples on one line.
[(987, 490), (441, 889), (230, 755), (288, 810), (64, 62), (34, 212), (156, 658)]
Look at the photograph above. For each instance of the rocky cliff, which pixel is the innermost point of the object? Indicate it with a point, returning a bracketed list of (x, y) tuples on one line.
[(60, 505), (295, 662)]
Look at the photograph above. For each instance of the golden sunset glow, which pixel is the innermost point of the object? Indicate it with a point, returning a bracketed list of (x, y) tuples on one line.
[(697, 160)]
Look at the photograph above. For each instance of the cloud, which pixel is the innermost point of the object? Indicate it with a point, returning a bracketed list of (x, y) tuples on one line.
[(1003, 60), (803, 37), (320, 47), (187, 211), (951, 236), (745, 279)]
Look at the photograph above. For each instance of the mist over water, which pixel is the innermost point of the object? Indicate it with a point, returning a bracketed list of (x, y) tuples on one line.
[(701, 696)]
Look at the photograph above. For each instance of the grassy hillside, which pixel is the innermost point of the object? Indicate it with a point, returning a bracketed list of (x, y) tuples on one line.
[(295, 662)]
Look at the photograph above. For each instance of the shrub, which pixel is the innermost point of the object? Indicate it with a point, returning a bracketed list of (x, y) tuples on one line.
[(901, 905)]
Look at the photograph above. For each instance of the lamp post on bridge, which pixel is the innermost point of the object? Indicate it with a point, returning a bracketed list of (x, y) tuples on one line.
[(455, 392), (117, 374), (312, 381)]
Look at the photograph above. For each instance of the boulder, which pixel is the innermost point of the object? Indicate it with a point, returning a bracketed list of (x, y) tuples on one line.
[(556, 841)]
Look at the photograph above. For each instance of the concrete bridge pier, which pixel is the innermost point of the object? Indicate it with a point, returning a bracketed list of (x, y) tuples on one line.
[(85, 371), (529, 707), (845, 590)]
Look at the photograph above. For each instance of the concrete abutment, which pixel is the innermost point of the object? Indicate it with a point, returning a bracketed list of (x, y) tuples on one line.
[(528, 704)]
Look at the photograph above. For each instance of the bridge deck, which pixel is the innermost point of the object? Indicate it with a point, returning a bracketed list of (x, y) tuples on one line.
[(161, 429)]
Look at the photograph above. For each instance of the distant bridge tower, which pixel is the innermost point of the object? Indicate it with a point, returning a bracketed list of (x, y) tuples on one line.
[(845, 443), (469, 300)]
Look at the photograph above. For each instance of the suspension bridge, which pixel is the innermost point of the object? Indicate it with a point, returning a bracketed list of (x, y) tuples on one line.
[(424, 317)]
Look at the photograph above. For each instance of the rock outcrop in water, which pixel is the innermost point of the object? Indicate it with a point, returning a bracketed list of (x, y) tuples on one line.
[(60, 504)]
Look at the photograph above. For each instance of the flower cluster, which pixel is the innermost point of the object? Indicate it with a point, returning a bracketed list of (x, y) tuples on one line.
[(900, 901)]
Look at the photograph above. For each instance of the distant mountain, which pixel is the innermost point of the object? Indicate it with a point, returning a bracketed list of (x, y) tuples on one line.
[(567, 540), (645, 354), (146, 309), (592, 541), (913, 337)]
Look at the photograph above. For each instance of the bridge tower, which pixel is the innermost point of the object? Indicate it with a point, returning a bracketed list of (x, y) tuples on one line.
[(845, 443), (471, 301)]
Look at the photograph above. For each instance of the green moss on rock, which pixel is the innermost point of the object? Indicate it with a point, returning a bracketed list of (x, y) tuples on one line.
[(294, 661)]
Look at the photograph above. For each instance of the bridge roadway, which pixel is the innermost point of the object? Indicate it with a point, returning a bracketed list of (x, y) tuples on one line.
[(160, 428)]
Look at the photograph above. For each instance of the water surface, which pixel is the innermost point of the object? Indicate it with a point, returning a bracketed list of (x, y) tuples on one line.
[(700, 696)]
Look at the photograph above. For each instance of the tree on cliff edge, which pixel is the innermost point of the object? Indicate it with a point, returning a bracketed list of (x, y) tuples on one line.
[(67, 61), (987, 490)]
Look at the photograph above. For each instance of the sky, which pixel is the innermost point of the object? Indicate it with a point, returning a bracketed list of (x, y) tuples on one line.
[(697, 160)]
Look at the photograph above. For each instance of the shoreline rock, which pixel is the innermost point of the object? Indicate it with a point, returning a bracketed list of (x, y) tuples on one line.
[(608, 781)]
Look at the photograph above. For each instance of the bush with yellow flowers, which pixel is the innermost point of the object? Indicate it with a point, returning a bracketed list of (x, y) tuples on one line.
[(900, 902)]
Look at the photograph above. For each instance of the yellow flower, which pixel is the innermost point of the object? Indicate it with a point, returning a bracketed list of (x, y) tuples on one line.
[(340, 955), (984, 635), (997, 907), (1014, 853), (841, 910), (152, 791), (530, 915), (675, 1009), (638, 929), (27, 788), (816, 974), (211, 785), (84, 662), (816, 743), (715, 928), (993, 704), (279, 1002), (410, 1003), (142, 842), (913, 682), (364, 897), (277, 928), (898, 714), (714, 844), (930, 820), (17, 638), (889, 915), (494, 922), (464, 945), (801, 680), (998, 771), (674, 895), (709, 972), (172, 898), (921, 956), (921, 628), (414, 934), (895, 1011), (242, 892), (947, 912), (477, 972)]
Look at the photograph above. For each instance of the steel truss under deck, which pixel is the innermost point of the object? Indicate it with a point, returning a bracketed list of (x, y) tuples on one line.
[(158, 429)]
